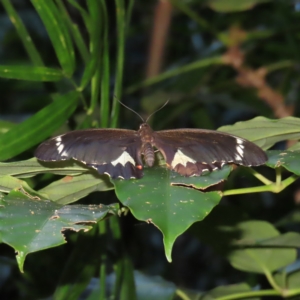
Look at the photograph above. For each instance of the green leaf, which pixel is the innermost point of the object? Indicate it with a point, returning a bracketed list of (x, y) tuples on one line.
[(204, 181), (266, 132), (286, 240), (23, 33), (74, 30), (38, 127), (8, 183), (95, 43), (32, 167), (288, 281), (259, 260), (173, 209), (32, 225), (6, 126), (229, 290), (58, 33), (128, 290), (295, 147), (233, 5), (290, 160), (72, 188), (30, 73), (80, 267)]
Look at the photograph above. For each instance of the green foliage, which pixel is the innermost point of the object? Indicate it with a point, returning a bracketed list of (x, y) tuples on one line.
[(37, 200)]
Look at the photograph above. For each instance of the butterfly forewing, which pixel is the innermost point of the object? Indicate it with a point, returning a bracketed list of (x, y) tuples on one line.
[(193, 151), (115, 152)]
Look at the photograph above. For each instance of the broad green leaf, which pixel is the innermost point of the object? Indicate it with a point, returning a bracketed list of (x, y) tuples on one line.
[(30, 225), (173, 209), (233, 5), (30, 73), (290, 160), (286, 240), (288, 280), (58, 33), (229, 290), (38, 127), (266, 132), (201, 182), (8, 183), (255, 259), (72, 188), (32, 167)]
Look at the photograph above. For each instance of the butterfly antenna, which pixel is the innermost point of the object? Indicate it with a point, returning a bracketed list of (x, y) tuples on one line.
[(132, 110), (157, 110)]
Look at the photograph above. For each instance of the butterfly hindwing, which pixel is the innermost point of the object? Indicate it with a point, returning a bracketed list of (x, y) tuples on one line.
[(115, 152), (191, 151)]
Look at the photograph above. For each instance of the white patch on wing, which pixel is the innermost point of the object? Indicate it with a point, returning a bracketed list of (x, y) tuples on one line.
[(123, 159), (60, 148), (65, 153), (239, 141), (240, 150), (237, 157), (181, 158)]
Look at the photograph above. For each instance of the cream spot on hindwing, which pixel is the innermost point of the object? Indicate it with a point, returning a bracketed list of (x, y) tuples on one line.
[(65, 153), (181, 158), (123, 159)]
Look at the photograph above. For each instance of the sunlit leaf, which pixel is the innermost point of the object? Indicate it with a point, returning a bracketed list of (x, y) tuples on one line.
[(30, 73), (71, 188), (266, 132)]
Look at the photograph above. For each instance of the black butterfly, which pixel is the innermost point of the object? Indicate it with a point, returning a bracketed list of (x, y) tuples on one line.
[(118, 152)]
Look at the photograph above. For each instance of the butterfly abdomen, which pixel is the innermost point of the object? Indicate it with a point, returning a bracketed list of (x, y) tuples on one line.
[(148, 154)]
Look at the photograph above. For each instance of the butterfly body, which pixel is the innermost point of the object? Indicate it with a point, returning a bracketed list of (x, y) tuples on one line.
[(118, 152)]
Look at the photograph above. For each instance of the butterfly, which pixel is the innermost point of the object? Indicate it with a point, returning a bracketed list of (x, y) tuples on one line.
[(118, 152)]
